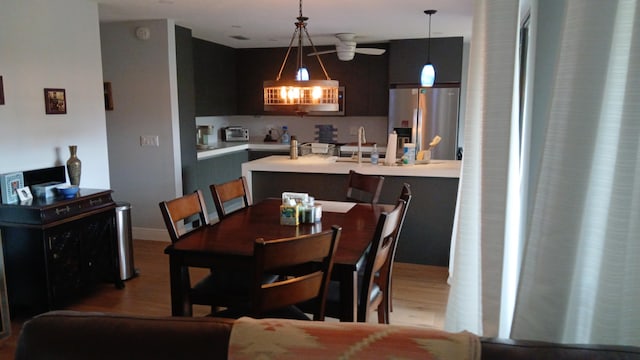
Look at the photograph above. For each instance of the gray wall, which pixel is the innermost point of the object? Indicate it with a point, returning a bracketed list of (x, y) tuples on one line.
[(143, 79)]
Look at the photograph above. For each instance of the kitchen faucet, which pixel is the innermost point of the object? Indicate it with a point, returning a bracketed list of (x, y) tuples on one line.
[(361, 139)]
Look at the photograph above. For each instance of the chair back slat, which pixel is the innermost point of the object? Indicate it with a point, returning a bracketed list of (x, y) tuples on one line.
[(228, 191), (304, 263), (177, 211), (364, 188)]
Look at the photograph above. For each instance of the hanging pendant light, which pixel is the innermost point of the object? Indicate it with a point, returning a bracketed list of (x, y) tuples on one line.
[(428, 75), (301, 95)]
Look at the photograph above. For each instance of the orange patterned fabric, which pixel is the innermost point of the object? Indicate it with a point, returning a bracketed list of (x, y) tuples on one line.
[(293, 339)]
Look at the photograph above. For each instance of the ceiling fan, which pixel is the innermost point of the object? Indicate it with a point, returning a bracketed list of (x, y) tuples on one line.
[(346, 48)]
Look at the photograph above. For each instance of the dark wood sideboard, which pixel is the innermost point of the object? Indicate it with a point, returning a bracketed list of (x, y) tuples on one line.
[(57, 249)]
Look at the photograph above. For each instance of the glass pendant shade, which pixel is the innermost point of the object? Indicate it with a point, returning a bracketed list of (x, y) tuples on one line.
[(428, 75), (302, 74)]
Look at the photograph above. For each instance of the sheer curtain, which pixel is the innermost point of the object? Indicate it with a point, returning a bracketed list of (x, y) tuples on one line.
[(571, 273)]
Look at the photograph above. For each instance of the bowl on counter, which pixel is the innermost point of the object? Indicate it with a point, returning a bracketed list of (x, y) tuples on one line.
[(68, 191)]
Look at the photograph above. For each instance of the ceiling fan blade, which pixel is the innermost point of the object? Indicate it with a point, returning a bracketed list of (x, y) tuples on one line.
[(321, 52), (370, 51)]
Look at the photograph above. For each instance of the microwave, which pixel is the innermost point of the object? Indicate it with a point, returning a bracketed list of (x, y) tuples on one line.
[(235, 133)]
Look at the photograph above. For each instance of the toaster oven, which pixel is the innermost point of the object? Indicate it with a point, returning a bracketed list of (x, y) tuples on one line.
[(235, 133)]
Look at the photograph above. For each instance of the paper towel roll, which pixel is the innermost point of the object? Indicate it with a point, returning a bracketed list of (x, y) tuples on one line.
[(390, 155)]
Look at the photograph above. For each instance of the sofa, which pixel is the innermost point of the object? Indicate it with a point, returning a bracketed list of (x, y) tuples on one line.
[(87, 335)]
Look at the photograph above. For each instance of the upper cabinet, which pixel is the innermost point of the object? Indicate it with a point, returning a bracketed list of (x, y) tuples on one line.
[(214, 69), (364, 78), (407, 57)]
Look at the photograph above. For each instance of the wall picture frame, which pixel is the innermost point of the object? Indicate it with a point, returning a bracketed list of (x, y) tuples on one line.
[(55, 101), (1, 91), (9, 185)]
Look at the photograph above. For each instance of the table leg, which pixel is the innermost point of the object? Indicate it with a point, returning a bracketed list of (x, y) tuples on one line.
[(179, 280), (349, 296)]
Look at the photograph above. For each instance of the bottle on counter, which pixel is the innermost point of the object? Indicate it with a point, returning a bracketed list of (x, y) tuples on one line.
[(285, 138), (374, 155), (293, 149)]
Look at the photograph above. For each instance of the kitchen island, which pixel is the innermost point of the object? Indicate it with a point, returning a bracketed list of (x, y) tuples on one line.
[(426, 235)]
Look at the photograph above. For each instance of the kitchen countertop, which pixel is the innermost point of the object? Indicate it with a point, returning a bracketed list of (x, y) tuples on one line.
[(315, 164), (221, 148)]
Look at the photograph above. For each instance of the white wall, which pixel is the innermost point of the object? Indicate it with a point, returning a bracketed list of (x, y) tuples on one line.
[(52, 44), (143, 80)]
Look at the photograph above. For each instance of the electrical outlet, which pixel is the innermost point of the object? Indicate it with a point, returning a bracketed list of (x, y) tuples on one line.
[(149, 140)]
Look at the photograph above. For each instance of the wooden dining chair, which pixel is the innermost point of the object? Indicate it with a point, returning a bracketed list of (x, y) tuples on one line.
[(370, 294), (214, 289), (384, 277), (304, 264), (230, 193), (177, 212), (364, 188)]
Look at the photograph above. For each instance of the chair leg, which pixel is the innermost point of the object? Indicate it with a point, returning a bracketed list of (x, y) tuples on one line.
[(383, 312)]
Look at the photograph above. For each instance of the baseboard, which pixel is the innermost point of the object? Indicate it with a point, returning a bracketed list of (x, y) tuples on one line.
[(139, 233)]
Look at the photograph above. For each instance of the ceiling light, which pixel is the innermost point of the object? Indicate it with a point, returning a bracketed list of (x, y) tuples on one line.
[(428, 75), (301, 95)]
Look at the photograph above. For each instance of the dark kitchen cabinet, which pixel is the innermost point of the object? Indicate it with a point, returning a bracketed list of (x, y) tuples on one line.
[(407, 57), (214, 69), (217, 170), (365, 78), (58, 249)]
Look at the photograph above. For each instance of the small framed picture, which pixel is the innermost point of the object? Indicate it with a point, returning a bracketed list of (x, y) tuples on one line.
[(24, 194), (10, 183), (55, 101), (1, 92)]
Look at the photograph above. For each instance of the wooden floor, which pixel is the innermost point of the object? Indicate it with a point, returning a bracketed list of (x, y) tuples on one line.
[(419, 295)]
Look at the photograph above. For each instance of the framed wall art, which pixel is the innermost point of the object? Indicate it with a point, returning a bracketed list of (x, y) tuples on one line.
[(108, 98), (9, 184), (1, 92), (55, 101)]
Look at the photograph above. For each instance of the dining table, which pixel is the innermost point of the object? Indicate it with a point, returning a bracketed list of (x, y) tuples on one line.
[(228, 244)]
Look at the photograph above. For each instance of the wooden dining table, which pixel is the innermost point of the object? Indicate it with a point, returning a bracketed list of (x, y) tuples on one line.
[(228, 244)]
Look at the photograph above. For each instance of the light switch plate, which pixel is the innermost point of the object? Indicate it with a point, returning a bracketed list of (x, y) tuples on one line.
[(149, 140)]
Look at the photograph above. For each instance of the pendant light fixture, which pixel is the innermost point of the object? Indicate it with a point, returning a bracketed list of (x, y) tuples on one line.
[(301, 95), (428, 75)]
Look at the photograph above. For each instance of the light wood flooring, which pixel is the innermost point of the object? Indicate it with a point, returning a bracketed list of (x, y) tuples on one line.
[(419, 294)]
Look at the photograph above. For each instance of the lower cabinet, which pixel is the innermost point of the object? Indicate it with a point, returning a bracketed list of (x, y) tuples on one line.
[(76, 256), (217, 170), (58, 250)]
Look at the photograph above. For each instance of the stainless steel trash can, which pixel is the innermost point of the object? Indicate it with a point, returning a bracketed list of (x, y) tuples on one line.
[(125, 240)]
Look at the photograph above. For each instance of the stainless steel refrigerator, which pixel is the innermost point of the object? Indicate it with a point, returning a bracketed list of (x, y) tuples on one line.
[(419, 114)]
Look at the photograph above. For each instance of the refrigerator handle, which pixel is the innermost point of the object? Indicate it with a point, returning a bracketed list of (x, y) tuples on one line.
[(417, 139)]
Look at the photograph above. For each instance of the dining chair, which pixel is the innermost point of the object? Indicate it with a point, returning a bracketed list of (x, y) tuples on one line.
[(385, 277), (178, 211), (304, 264), (230, 193), (364, 188), (370, 294), (214, 289)]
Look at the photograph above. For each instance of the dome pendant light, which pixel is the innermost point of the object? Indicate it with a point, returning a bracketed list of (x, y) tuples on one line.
[(301, 95), (428, 75)]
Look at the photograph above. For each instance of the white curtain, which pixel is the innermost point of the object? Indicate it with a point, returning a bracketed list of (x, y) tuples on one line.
[(571, 273)]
